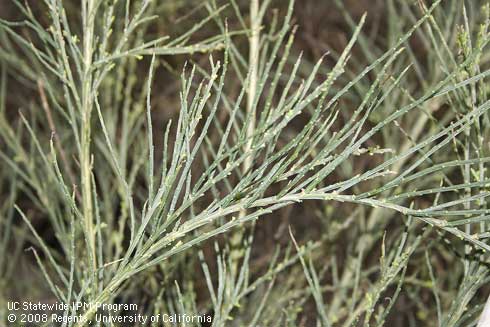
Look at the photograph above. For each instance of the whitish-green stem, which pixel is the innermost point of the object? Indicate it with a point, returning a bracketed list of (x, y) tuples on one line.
[(254, 66), (87, 104), (254, 52)]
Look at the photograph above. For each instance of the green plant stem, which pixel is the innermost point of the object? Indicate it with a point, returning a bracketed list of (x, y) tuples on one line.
[(87, 104), (254, 66), (254, 53)]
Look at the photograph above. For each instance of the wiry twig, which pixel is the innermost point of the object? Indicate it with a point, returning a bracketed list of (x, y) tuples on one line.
[(59, 146)]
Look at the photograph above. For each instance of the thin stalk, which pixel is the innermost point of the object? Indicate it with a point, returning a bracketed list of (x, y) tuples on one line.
[(254, 54), (64, 159), (253, 58), (87, 104)]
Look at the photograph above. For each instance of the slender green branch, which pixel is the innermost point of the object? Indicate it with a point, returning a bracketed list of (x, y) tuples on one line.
[(87, 105)]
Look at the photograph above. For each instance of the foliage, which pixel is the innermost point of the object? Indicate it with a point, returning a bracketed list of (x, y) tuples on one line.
[(120, 199)]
